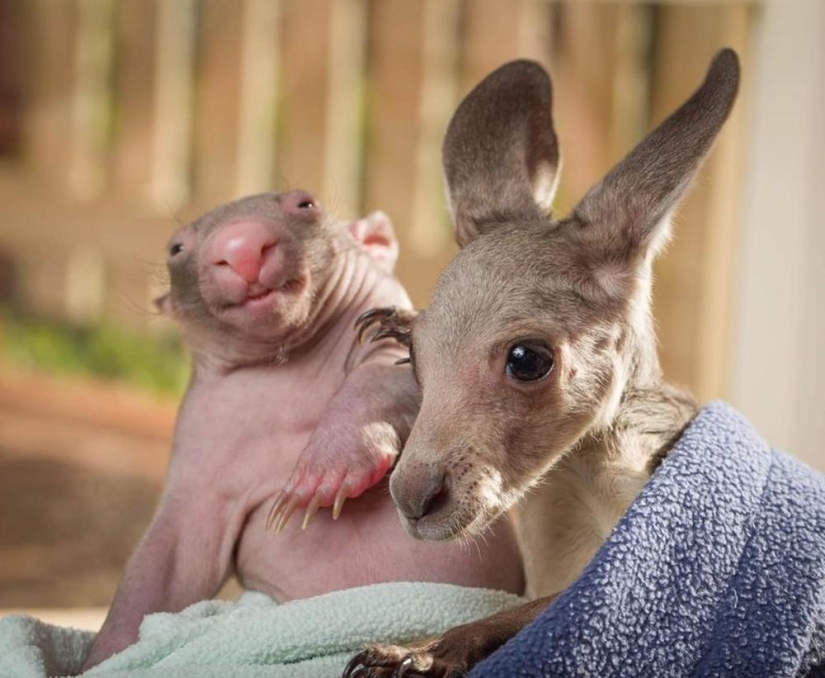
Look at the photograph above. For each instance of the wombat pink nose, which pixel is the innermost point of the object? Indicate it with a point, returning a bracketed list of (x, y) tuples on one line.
[(243, 247)]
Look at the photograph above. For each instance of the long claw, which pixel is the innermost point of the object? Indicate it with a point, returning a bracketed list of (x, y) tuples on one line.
[(312, 509), (385, 334), (354, 664), (287, 514), (402, 669), (369, 316), (362, 327), (362, 331), (340, 498), (366, 320), (276, 508)]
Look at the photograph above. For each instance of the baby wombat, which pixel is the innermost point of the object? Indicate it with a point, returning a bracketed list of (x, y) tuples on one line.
[(267, 290)]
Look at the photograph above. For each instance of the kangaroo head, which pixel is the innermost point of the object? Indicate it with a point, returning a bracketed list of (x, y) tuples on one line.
[(538, 326)]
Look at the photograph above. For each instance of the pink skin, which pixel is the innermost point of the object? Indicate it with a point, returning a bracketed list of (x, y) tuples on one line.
[(267, 290)]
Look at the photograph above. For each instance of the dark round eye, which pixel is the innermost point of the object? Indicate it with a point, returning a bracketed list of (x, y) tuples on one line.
[(306, 204), (529, 361), (177, 248)]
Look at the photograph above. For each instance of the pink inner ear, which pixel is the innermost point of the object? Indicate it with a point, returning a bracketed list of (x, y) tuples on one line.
[(376, 235), (376, 239)]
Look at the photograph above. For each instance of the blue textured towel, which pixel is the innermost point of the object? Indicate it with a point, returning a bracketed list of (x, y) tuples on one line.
[(717, 569)]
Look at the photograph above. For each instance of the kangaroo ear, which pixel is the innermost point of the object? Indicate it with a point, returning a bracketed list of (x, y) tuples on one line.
[(500, 155), (625, 212), (376, 236)]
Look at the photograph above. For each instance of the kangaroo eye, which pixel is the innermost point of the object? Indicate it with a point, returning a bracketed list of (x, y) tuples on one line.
[(306, 204), (529, 361), (177, 248)]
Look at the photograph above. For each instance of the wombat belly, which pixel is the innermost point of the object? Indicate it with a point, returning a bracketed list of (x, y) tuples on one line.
[(367, 545)]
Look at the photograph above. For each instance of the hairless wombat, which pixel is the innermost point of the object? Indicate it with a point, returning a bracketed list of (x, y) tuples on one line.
[(267, 290)]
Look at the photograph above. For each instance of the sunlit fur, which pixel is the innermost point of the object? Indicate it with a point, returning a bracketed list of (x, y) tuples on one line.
[(574, 448)]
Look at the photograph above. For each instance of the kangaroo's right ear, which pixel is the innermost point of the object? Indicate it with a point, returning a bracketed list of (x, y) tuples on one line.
[(500, 154)]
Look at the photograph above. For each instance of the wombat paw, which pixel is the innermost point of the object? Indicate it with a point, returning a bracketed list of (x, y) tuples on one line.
[(393, 661), (316, 485), (392, 323)]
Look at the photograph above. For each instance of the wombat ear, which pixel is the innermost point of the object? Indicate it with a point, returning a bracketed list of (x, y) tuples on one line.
[(500, 154), (376, 236), (163, 304), (624, 215)]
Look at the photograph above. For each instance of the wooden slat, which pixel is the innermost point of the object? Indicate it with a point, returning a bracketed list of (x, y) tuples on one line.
[(497, 31), (217, 98), (101, 257), (631, 77), (31, 214), (430, 230), (306, 73), (48, 124), (173, 104), (136, 69), (321, 132), (85, 285), (92, 97), (692, 293), (12, 79), (344, 130), (258, 109), (404, 168), (78, 109), (593, 116)]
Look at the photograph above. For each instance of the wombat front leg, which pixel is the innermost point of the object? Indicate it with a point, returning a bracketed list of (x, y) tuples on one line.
[(356, 442), (185, 556)]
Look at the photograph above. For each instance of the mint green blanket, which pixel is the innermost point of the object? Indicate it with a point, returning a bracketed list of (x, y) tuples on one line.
[(255, 636)]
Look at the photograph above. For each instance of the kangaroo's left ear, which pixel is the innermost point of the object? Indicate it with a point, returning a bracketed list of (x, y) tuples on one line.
[(376, 235)]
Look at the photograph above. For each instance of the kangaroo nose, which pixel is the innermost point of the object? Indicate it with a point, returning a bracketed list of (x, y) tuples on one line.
[(421, 494), (242, 246)]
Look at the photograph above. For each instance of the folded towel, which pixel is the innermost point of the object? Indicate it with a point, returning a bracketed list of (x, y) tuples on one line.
[(717, 569), (255, 636)]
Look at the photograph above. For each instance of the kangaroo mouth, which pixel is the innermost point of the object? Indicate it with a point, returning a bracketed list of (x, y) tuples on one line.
[(454, 519)]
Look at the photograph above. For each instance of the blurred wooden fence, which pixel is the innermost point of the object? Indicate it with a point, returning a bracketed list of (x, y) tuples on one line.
[(118, 118)]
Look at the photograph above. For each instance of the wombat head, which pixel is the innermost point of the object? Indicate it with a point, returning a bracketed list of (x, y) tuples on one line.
[(250, 278)]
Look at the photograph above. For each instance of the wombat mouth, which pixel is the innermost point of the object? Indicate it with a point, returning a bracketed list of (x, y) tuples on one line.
[(257, 294)]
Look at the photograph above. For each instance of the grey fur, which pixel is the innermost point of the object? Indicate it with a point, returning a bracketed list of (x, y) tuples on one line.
[(574, 448), (604, 417)]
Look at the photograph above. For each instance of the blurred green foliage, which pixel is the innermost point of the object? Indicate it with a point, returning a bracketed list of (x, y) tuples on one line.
[(154, 363)]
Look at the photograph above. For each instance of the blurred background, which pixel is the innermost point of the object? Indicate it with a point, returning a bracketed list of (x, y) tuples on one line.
[(119, 120)]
